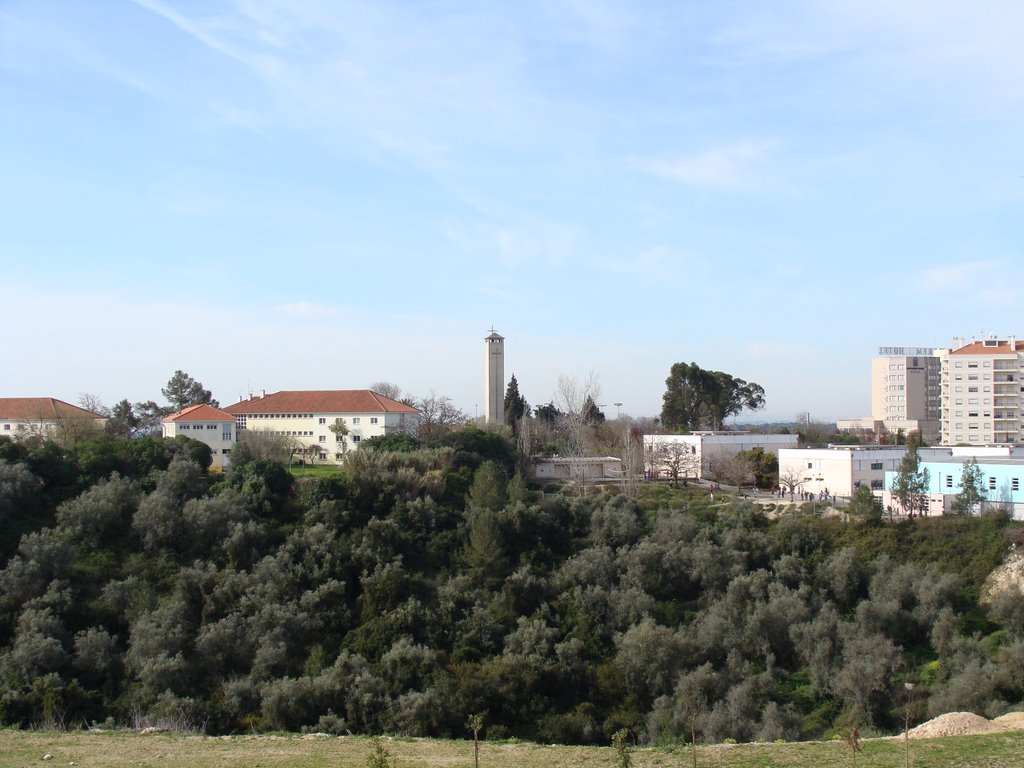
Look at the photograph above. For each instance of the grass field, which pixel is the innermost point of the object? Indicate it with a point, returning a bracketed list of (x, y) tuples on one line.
[(314, 470), (124, 748)]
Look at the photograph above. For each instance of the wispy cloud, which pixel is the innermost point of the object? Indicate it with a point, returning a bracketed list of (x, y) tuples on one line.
[(956, 276), (732, 166)]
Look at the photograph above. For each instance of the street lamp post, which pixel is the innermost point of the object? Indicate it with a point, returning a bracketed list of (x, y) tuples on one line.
[(618, 410)]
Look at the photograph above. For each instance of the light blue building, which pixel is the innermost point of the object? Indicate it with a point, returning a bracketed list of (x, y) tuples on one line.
[(1002, 480)]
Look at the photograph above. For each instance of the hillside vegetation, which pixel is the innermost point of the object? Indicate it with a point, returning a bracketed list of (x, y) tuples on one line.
[(418, 587)]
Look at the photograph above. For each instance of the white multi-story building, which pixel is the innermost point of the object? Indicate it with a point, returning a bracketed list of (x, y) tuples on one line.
[(308, 418), (981, 392), (47, 418), (905, 393), (707, 447), (209, 425)]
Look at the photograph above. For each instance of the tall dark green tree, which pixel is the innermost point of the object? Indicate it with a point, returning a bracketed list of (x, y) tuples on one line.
[(516, 407), (183, 391), (699, 399), (592, 414), (972, 491), (124, 423), (910, 484)]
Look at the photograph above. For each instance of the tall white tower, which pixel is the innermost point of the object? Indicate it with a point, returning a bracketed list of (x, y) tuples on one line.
[(494, 377)]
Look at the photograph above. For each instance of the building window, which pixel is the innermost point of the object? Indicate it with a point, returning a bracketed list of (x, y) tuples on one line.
[(323, 438), (1014, 484), (949, 481), (185, 426), (7, 427), (876, 485), (211, 426), (373, 419), (356, 438), (339, 456), (991, 483), (323, 420), (226, 434), (809, 465), (876, 465), (355, 420)]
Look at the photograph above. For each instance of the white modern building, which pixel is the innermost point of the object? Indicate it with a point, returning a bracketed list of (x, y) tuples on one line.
[(706, 448), (209, 425), (47, 418), (840, 469), (326, 423), (1002, 481), (494, 378), (981, 392)]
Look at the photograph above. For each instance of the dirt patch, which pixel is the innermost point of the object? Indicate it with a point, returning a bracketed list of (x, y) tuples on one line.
[(954, 724), (1011, 721)]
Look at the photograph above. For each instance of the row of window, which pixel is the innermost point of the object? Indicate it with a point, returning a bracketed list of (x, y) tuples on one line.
[(1014, 483), (280, 415), (198, 426), (321, 420)]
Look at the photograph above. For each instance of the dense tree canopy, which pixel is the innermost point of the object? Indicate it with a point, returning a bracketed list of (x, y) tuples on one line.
[(417, 586), (698, 399)]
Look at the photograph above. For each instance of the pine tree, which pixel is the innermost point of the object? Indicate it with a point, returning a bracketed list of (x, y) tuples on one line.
[(516, 407)]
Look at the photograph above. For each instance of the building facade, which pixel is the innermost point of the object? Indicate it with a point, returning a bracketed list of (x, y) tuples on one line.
[(841, 469), (325, 423), (209, 425), (576, 468), (705, 448), (1002, 481), (494, 378), (47, 418), (905, 394), (981, 392)]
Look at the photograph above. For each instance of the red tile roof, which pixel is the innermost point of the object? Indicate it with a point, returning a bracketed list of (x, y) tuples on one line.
[(200, 413), (979, 348), (41, 409), (321, 401)]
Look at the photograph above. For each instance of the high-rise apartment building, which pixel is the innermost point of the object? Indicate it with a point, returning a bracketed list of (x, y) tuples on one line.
[(981, 392), (905, 394), (905, 384)]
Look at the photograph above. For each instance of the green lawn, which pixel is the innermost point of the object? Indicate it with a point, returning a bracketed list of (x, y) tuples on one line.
[(318, 470), (107, 750)]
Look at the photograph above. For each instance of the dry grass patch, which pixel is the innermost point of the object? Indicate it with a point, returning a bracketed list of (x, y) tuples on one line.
[(164, 750)]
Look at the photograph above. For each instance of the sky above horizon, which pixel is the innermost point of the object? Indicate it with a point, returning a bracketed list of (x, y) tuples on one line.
[(310, 194)]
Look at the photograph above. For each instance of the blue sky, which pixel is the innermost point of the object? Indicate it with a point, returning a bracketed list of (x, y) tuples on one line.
[(311, 194)]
